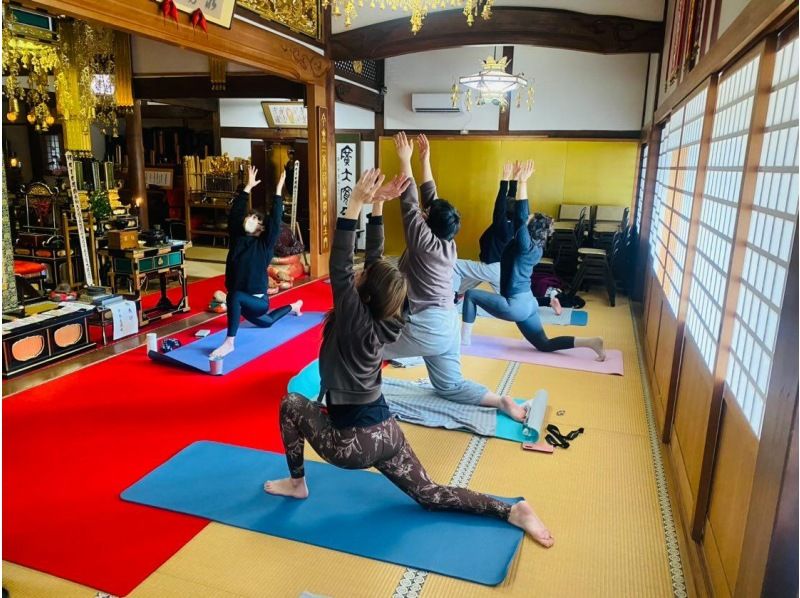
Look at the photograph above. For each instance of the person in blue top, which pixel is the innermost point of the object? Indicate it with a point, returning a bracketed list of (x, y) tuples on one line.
[(252, 246), (515, 302), (468, 274)]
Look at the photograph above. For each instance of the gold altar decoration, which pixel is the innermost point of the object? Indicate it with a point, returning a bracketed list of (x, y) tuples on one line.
[(87, 76), (24, 50), (418, 9), (123, 71), (301, 16), (493, 85), (197, 170)]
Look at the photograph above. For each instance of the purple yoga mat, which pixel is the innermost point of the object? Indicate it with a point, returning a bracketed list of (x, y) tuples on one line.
[(511, 349)]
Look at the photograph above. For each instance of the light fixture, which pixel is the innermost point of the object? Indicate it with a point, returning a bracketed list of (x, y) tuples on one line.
[(13, 110), (13, 162), (493, 85), (418, 8)]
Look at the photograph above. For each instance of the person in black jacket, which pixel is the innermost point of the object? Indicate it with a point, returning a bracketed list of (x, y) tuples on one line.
[(357, 431), (252, 245)]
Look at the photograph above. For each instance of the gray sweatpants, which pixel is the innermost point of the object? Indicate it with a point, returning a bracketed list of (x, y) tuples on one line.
[(435, 335), (468, 274)]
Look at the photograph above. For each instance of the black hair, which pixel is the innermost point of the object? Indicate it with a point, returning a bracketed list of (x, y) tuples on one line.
[(539, 228), (443, 219)]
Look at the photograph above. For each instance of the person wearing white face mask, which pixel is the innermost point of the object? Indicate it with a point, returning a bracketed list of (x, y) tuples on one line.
[(252, 245)]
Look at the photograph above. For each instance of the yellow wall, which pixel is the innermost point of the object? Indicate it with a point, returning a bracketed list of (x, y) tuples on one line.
[(467, 172)]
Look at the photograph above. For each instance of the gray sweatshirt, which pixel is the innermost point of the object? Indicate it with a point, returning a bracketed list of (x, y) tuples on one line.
[(428, 261)]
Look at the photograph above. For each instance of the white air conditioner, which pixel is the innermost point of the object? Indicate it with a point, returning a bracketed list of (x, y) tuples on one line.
[(434, 103)]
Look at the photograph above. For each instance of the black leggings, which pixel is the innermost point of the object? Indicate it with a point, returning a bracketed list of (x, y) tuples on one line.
[(254, 309), (533, 331), (382, 446)]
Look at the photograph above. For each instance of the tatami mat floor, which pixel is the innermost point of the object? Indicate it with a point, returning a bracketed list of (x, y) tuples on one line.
[(600, 499)]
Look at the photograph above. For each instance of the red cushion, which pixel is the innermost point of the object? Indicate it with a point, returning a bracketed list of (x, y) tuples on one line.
[(23, 268)]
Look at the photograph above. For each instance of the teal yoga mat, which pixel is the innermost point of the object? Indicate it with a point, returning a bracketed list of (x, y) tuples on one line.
[(356, 512), (307, 383)]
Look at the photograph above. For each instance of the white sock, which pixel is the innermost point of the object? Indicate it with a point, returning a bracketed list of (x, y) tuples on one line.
[(466, 333)]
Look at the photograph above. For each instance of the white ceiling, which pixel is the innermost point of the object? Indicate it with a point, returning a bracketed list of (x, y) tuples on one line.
[(649, 10)]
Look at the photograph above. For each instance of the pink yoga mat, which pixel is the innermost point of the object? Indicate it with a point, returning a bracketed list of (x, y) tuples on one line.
[(510, 349)]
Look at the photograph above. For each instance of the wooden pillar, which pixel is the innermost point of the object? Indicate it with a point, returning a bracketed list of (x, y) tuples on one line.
[(133, 135), (771, 526), (321, 173)]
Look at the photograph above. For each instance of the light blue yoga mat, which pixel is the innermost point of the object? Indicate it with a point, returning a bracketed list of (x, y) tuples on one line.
[(251, 342), (357, 512), (307, 383)]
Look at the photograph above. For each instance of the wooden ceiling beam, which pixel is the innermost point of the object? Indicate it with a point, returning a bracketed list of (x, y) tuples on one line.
[(199, 86), (548, 27)]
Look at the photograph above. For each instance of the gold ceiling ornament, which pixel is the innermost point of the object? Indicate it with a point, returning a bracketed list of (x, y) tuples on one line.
[(123, 71), (88, 71), (302, 16), (418, 8), (493, 85), (358, 67), (40, 60)]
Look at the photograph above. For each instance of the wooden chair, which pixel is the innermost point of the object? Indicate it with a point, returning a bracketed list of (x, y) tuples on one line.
[(597, 266)]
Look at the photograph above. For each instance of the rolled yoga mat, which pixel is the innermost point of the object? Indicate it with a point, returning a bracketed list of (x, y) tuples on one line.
[(419, 405), (511, 349), (356, 512), (251, 342)]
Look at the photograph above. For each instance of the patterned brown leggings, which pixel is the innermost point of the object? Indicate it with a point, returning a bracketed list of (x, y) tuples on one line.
[(382, 446)]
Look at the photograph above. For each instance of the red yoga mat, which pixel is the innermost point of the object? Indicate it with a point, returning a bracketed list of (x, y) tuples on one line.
[(71, 446)]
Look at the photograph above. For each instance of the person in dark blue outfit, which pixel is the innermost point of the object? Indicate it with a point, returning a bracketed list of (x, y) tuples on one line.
[(252, 245), (516, 302)]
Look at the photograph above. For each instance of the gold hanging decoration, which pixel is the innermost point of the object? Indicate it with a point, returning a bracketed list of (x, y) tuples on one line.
[(217, 68), (418, 8), (40, 60)]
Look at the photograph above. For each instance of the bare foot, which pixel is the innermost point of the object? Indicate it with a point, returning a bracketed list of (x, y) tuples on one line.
[(555, 304), (296, 307), (522, 515), (596, 345), (512, 409), (295, 488), (221, 351)]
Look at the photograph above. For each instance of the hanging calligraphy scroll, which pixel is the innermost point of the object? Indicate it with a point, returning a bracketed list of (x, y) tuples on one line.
[(322, 160), (347, 170)]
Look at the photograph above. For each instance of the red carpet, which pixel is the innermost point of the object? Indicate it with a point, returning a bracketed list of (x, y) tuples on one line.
[(200, 293), (70, 447)]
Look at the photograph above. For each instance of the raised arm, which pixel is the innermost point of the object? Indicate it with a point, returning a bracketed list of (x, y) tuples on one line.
[(391, 190), (499, 214), (239, 206), (418, 234), (273, 229), (522, 236), (341, 260), (427, 189)]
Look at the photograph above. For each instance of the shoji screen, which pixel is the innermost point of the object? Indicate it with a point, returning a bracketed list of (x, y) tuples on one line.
[(662, 200), (640, 193), (721, 195), (769, 243), (682, 192)]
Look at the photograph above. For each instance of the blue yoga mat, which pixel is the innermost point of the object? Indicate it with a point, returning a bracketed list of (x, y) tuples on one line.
[(307, 383), (357, 512), (251, 342)]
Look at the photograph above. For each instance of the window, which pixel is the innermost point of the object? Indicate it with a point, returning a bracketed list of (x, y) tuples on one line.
[(678, 212), (640, 194), (720, 203), (658, 248), (769, 244), (51, 149)]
